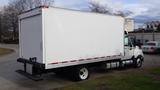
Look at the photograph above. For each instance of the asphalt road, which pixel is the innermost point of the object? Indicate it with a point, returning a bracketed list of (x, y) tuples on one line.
[(10, 80)]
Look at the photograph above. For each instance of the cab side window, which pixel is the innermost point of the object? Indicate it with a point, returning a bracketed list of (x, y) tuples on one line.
[(127, 42)]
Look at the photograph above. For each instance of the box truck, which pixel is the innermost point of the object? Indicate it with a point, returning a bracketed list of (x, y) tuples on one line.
[(56, 40)]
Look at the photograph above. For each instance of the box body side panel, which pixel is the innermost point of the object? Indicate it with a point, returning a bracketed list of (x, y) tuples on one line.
[(72, 35)]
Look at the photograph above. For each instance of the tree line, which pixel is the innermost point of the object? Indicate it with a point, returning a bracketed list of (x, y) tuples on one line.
[(153, 26), (9, 15)]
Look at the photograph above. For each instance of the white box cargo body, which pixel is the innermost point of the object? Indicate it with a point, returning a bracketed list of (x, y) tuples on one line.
[(58, 37)]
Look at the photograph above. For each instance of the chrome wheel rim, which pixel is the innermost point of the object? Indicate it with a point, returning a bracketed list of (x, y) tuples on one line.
[(83, 74), (138, 62)]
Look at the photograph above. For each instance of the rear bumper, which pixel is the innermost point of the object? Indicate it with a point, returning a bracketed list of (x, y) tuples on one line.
[(36, 69), (32, 62)]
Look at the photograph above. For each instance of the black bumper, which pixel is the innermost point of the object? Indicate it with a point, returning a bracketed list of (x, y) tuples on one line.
[(32, 62), (37, 69)]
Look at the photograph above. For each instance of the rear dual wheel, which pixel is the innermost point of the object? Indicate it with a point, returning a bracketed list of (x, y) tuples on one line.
[(80, 73)]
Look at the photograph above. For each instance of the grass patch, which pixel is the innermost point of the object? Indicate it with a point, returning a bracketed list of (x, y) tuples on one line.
[(120, 81), (155, 71), (4, 51), (133, 82)]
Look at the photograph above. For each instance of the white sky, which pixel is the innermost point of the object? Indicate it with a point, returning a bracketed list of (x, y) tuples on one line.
[(3, 2)]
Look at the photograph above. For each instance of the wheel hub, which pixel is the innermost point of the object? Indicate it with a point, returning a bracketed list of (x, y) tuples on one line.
[(138, 62), (83, 73)]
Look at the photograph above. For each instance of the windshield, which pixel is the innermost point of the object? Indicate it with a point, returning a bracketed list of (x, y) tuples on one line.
[(151, 44)]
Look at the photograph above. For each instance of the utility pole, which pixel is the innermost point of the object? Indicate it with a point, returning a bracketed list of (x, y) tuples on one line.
[(143, 30), (153, 29), (0, 28), (153, 35)]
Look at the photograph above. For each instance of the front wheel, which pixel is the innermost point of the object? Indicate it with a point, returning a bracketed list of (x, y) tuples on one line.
[(138, 62)]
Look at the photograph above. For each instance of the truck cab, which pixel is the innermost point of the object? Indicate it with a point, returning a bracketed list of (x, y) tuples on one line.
[(132, 52)]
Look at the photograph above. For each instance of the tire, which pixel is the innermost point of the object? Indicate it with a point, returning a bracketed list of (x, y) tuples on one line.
[(138, 62), (80, 73)]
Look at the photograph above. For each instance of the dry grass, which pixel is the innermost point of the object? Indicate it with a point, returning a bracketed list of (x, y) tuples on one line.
[(4, 51)]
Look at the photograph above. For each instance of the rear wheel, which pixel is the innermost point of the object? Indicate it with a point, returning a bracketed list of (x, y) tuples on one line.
[(81, 73), (138, 62)]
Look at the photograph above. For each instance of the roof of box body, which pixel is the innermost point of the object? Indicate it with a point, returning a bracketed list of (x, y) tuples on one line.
[(41, 7)]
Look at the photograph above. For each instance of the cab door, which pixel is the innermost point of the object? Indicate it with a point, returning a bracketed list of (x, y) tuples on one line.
[(128, 48)]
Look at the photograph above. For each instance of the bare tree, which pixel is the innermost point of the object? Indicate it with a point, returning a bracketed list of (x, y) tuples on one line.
[(47, 2), (158, 27), (30, 4), (9, 17), (123, 13), (97, 7)]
